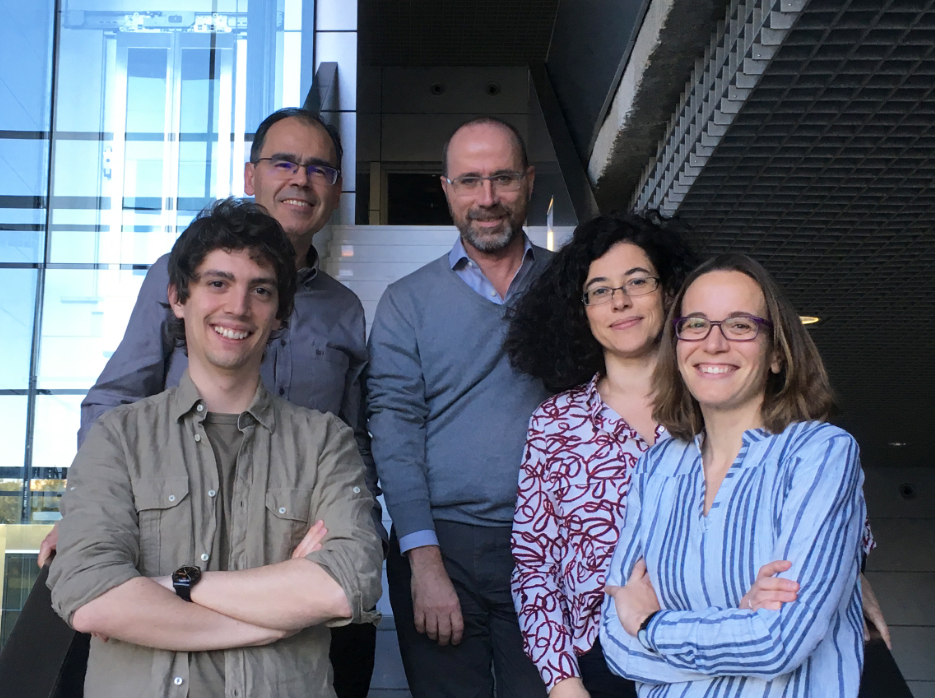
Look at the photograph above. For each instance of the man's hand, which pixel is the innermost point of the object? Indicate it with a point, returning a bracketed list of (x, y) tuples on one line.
[(312, 541), (436, 609), (770, 592), (635, 601), (873, 614), (571, 687), (48, 546)]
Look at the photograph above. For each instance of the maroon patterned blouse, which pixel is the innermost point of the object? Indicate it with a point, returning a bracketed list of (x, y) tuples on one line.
[(572, 497)]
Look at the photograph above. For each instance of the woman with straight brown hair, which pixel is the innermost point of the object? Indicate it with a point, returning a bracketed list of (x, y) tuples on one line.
[(753, 473)]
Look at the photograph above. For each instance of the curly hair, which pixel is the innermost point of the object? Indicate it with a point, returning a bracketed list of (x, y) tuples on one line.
[(232, 225), (549, 336), (800, 391)]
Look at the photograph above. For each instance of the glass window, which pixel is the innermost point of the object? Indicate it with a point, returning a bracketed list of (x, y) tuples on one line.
[(85, 313), (12, 435), (17, 312), (55, 438), (25, 79)]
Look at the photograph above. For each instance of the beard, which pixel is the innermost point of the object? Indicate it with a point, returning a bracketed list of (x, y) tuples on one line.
[(497, 238)]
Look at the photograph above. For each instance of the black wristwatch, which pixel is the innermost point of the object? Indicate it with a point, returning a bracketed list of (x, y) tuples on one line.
[(183, 579), (642, 635)]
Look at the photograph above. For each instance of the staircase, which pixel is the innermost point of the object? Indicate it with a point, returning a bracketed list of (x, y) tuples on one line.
[(368, 258)]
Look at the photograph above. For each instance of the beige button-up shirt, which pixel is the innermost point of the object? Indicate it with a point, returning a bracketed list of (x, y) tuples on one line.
[(140, 501)]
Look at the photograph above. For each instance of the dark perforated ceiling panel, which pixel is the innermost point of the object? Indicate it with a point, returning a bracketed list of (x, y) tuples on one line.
[(827, 175)]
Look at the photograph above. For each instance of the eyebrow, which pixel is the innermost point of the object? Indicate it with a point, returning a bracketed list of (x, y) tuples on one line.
[(604, 279), (492, 174), (218, 274), (292, 157)]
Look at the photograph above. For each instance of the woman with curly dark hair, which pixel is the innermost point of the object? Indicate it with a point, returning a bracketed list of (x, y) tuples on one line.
[(590, 326)]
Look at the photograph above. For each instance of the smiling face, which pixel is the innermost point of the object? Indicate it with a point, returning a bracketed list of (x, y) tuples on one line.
[(723, 375), (488, 219), (229, 314), (626, 326), (301, 205)]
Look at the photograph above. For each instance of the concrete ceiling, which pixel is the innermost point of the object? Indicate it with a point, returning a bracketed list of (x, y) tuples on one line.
[(445, 32), (825, 172)]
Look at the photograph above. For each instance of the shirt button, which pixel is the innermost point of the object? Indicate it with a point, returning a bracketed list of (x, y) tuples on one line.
[(197, 437), (356, 490), (200, 408), (282, 510), (282, 391), (205, 557), (171, 497), (282, 342), (177, 680), (211, 493), (493, 293)]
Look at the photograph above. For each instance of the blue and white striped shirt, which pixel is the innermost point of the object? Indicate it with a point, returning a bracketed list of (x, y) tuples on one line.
[(794, 496)]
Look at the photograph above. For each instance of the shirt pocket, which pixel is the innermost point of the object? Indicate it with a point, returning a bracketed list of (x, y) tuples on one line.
[(318, 378), (165, 527), (287, 514)]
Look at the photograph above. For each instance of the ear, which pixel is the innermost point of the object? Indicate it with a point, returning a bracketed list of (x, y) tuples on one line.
[(177, 307), (248, 169), (444, 181), (776, 364), (531, 178), (334, 194)]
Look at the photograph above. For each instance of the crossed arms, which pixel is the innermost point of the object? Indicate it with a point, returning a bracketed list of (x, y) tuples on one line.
[(98, 588)]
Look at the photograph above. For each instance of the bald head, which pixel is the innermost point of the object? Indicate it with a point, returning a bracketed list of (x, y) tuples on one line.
[(470, 130)]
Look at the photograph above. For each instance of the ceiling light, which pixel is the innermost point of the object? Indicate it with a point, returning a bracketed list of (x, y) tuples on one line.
[(809, 319)]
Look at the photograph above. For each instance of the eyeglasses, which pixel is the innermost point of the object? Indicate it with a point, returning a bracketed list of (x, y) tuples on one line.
[(469, 184), (287, 168), (639, 286), (740, 328)]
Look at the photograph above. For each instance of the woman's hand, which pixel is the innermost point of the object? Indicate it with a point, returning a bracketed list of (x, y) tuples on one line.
[(635, 601), (872, 613), (768, 591), (572, 687)]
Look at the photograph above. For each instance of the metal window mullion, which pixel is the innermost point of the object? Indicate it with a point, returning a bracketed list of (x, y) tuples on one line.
[(40, 281)]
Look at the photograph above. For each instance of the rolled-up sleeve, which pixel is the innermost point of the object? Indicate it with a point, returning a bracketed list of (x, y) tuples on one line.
[(352, 552), (98, 543)]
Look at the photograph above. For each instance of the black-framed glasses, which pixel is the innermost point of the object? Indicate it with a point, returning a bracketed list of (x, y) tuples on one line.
[(639, 286), (469, 184), (739, 328), (287, 168)]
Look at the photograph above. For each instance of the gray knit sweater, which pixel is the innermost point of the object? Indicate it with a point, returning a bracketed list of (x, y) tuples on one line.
[(447, 413)]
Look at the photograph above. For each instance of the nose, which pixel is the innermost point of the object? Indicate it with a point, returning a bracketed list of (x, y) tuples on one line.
[(238, 302), (620, 300), (716, 342), (300, 176), (486, 196)]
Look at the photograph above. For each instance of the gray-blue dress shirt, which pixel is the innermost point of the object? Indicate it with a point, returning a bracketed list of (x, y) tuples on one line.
[(317, 362)]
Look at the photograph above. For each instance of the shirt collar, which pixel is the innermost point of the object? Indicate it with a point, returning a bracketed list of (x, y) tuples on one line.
[(308, 273), (458, 256), (187, 398)]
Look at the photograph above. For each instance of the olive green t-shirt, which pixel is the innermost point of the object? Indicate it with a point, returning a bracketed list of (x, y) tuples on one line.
[(206, 669)]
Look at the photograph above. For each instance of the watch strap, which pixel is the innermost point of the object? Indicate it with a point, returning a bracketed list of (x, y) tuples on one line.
[(643, 633)]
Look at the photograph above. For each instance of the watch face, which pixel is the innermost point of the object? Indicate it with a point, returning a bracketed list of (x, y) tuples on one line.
[(188, 574)]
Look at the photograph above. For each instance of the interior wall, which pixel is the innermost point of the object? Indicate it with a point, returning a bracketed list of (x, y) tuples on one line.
[(901, 507), (405, 115)]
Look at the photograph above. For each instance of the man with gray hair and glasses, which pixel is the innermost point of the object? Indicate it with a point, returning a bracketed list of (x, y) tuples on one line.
[(318, 362), (448, 418)]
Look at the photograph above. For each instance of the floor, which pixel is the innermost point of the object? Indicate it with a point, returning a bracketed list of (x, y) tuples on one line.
[(389, 681)]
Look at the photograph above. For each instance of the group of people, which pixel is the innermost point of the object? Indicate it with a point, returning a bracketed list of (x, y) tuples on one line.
[(686, 522)]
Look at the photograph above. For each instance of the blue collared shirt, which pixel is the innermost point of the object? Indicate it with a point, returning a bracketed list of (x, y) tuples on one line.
[(793, 496), (470, 273)]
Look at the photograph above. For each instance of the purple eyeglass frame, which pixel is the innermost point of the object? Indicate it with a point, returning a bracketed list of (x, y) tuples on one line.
[(757, 320)]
